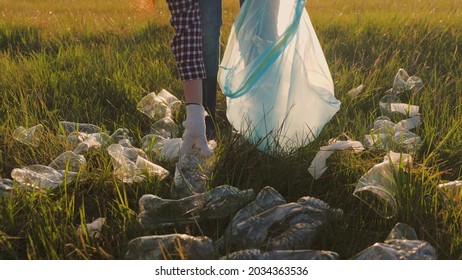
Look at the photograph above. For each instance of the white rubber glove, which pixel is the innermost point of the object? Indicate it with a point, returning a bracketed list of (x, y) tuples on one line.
[(194, 133)]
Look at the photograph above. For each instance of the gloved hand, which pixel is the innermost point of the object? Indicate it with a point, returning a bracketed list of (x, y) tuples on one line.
[(194, 133)]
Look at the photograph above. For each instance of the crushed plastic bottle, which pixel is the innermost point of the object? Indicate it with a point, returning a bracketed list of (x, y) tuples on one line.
[(158, 106), (92, 141), (172, 246), (399, 246), (93, 229), (377, 187), (290, 226), (217, 203), (256, 254), (29, 136)]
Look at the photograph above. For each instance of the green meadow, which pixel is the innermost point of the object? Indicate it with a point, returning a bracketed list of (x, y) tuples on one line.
[(92, 61)]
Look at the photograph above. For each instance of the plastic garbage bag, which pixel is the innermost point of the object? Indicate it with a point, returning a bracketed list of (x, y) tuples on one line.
[(256, 254), (172, 246), (279, 89), (318, 165), (29, 136), (93, 229), (377, 187), (217, 203), (401, 244), (157, 106)]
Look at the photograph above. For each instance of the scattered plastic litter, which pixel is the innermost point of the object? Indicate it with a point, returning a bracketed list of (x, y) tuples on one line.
[(86, 128), (158, 106), (94, 228), (172, 246), (166, 128), (452, 190), (318, 165), (69, 161), (401, 244), (404, 82), (355, 91), (191, 174), (288, 226), (29, 136), (387, 135), (40, 176), (6, 186), (217, 203), (131, 164), (162, 149), (256, 254), (377, 187)]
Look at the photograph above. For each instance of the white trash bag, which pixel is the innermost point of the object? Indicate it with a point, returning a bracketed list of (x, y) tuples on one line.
[(279, 89)]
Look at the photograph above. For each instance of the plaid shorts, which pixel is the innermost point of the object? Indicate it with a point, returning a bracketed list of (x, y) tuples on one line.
[(187, 42)]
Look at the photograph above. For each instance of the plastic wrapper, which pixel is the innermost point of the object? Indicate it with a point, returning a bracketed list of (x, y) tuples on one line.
[(217, 203), (290, 226), (158, 106), (172, 246), (29, 136), (318, 165), (401, 244), (255, 254), (377, 187), (279, 89)]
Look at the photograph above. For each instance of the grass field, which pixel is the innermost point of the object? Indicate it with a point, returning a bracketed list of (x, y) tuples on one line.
[(91, 61)]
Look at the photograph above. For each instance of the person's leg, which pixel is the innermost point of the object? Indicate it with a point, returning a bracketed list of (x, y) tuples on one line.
[(211, 21), (187, 50)]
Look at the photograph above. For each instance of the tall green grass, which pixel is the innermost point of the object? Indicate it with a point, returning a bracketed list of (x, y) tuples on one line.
[(92, 61)]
